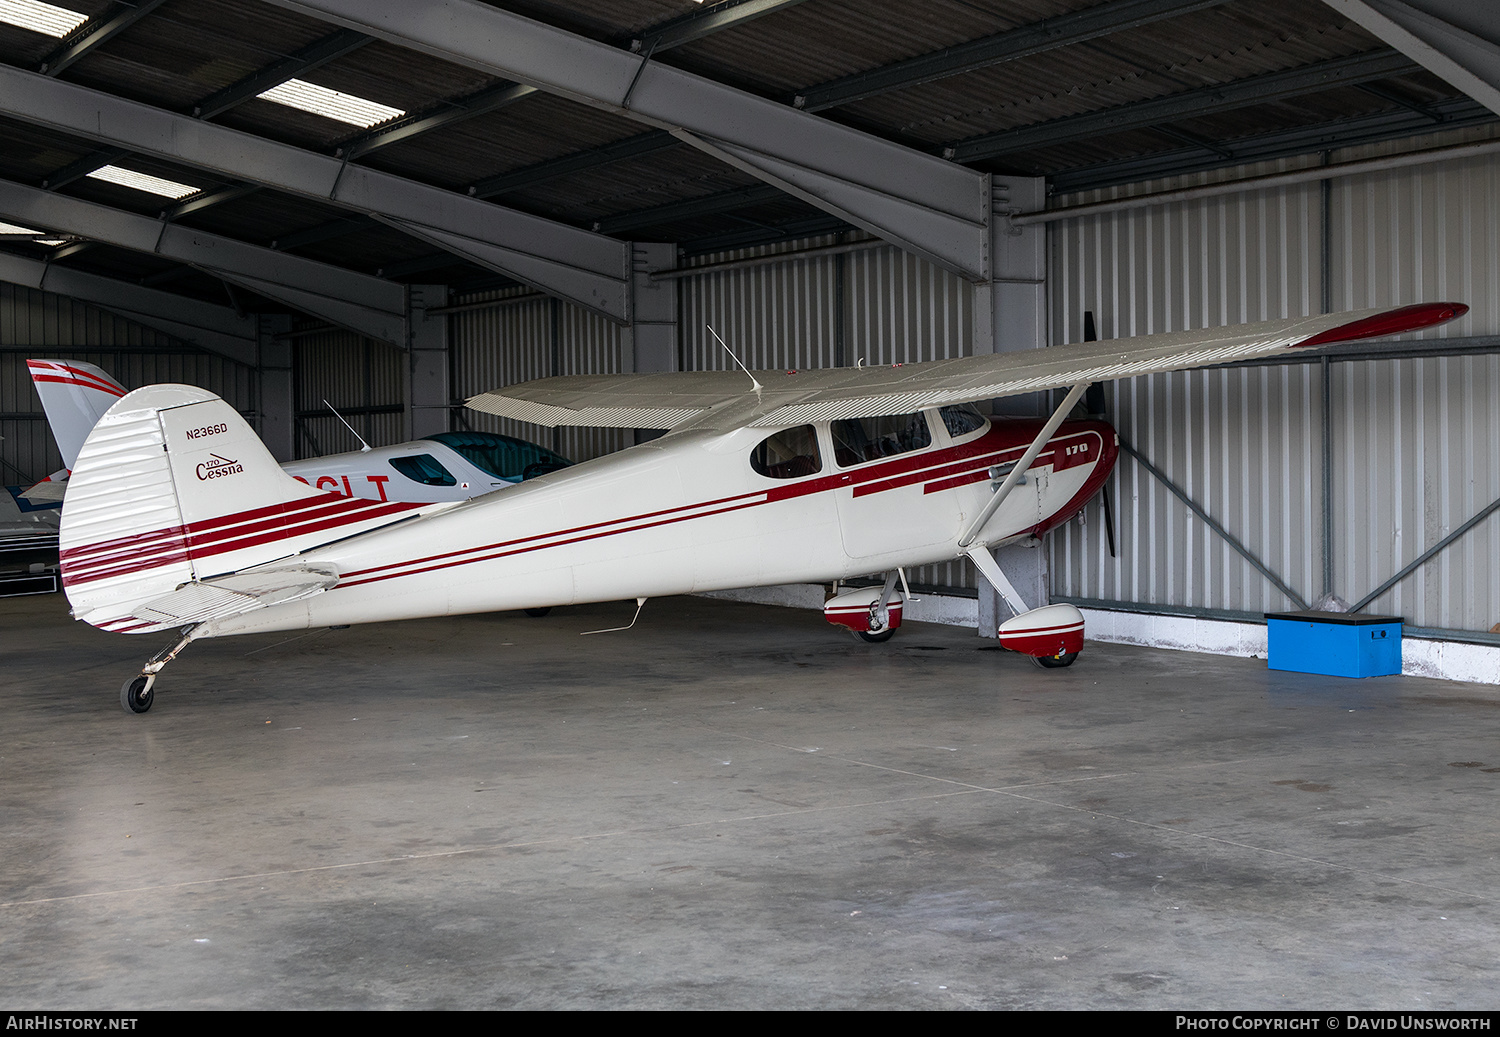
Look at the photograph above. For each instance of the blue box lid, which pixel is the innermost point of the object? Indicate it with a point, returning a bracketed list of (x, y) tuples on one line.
[(1352, 619)]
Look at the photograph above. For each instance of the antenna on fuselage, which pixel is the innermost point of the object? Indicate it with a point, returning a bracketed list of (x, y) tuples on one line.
[(363, 446), (753, 383), (640, 603)]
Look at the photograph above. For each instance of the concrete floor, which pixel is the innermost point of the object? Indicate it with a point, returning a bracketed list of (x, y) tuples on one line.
[(732, 806)]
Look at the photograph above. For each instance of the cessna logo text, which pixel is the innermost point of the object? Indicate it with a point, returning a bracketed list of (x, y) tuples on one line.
[(206, 430), (217, 467)]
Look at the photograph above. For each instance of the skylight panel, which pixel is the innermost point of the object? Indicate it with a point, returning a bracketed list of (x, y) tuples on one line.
[(14, 230), (40, 17), (331, 104), (143, 182)]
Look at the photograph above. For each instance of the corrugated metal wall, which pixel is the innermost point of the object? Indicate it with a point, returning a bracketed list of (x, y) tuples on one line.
[(526, 337), (41, 324), (1414, 441), (363, 379)]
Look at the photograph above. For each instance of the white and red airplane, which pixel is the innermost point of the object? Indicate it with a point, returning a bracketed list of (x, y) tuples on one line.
[(449, 466), (178, 517)]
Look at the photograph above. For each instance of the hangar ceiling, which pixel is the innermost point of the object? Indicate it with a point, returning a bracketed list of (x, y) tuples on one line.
[(483, 180)]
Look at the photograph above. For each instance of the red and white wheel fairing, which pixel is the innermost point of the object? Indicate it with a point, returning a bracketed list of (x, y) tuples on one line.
[(852, 609), (1051, 630)]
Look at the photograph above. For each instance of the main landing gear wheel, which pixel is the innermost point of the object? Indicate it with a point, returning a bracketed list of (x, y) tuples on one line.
[(136, 694), (538, 613), (875, 637), (1053, 662)]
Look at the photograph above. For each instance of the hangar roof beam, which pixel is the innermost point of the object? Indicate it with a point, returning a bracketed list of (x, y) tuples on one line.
[(657, 39), (930, 207), (1063, 30), (578, 265), (1456, 40), (90, 35), (1241, 93), (217, 329), (364, 304), (1362, 129), (319, 52)]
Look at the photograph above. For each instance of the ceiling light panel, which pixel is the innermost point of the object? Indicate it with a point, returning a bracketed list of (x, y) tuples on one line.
[(40, 17), (143, 182), (331, 104), (11, 228)]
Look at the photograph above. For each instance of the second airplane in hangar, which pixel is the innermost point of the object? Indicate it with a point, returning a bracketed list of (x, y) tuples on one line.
[(448, 466), (178, 517)]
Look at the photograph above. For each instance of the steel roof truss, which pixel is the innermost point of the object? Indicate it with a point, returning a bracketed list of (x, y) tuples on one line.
[(359, 302), (1457, 40), (914, 200), (217, 329), (596, 267)]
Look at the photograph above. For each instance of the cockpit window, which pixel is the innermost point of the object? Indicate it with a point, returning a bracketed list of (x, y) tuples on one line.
[(501, 456), (425, 469), (961, 419), (869, 439), (789, 454)]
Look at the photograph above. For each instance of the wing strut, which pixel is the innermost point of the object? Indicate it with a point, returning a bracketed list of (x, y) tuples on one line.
[(990, 569), (1019, 471)]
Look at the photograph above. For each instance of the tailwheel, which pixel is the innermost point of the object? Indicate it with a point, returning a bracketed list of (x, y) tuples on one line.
[(538, 613), (1053, 662), (136, 694)]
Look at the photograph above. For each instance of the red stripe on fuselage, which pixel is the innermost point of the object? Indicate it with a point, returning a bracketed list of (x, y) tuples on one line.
[(225, 534)]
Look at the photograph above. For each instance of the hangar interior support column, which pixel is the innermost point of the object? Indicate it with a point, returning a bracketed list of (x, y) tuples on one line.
[(649, 342), (274, 397), (1010, 314), (428, 395)]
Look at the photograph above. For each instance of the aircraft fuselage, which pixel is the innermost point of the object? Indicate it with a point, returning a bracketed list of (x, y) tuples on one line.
[(689, 513)]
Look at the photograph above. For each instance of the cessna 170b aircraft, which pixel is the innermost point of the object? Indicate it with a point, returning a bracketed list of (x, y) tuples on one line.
[(178, 517), (449, 466)]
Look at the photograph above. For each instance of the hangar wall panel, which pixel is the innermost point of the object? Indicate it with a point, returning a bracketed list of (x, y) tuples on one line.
[(361, 378), (41, 324), (1414, 442), (527, 337)]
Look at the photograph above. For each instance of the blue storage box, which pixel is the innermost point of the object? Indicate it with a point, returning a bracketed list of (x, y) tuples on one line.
[(1339, 644)]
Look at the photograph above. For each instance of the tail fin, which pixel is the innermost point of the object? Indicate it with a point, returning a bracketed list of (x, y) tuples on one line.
[(75, 396), (173, 491)]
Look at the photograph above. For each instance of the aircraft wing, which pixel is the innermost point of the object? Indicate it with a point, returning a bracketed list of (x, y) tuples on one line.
[(727, 399)]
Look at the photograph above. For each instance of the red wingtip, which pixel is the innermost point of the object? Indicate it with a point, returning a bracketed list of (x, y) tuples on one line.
[(1392, 322)]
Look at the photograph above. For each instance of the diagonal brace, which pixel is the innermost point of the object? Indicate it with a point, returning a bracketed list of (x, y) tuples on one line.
[(1224, 534), (1422, 559)]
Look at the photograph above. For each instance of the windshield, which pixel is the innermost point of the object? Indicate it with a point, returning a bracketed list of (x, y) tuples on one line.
[(501, 456)]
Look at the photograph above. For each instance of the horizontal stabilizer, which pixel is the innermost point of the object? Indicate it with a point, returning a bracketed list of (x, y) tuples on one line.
[(225, 596)]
